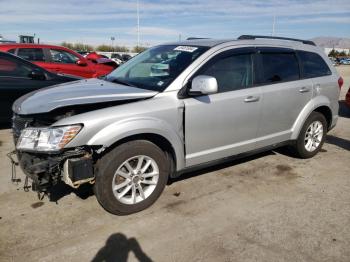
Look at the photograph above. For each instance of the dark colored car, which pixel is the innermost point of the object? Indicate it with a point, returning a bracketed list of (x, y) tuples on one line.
[(18, 77), (59, 59)]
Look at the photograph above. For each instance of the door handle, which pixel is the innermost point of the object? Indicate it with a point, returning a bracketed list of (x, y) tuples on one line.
[(304, 89), (249, 99)]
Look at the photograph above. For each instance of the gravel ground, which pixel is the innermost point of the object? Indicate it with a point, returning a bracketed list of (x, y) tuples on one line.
[(269, 207)]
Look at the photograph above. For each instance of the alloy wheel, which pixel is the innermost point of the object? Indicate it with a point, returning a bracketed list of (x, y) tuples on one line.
[(313, 136), (135, 179)]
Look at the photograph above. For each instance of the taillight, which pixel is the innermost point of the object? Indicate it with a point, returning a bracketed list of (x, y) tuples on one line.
[(340, 82)]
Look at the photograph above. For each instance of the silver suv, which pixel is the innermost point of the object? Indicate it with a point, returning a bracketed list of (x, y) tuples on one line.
[(174, 108)]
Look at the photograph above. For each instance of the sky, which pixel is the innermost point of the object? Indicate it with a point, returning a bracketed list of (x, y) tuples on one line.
[(95, 22)]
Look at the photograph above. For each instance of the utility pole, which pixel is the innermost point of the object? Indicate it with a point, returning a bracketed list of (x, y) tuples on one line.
[(273, 25), (112, 39), (138, 23)]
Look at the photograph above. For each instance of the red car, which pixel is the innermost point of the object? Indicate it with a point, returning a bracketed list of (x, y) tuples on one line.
[(60, 59), (347, 98)]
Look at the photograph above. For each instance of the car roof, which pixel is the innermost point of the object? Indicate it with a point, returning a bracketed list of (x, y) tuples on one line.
[(7, 47), (19, 45)]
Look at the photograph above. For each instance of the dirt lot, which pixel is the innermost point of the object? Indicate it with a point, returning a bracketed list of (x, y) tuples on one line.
[(270, 207)]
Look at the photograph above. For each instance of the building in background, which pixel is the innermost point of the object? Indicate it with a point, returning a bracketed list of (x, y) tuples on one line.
[(3, 40)]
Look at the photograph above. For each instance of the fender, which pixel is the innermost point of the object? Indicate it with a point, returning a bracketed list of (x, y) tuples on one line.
[(305, 113), (140, 125)]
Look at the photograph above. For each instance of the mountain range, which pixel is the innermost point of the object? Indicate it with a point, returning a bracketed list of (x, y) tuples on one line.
[(336, 42)]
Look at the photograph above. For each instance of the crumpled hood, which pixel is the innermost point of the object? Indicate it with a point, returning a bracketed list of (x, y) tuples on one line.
[(87, 91)]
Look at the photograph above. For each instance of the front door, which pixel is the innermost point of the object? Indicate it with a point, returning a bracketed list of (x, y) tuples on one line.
[(224, 124), (64, 62)]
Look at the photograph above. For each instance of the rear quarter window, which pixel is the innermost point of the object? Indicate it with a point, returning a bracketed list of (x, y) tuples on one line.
[(313, 65), (279, 67)]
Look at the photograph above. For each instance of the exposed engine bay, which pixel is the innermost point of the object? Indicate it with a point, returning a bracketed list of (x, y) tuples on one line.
[(73, 166)]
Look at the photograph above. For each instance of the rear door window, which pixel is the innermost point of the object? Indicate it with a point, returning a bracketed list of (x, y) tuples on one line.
[(278, 67), (31, 54), (313, 65)]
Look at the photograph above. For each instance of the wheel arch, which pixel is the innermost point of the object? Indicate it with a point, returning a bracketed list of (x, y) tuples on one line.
[(326, 112), (155, 130), (318, 104), (159, 140)]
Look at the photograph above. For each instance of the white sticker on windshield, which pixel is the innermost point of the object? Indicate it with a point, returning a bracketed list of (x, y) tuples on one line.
[(185, 48)]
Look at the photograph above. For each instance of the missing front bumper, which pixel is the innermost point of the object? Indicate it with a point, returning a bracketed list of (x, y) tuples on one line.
[(74, 167)]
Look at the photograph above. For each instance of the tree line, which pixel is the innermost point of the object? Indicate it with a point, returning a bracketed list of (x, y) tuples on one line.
[(102, 48), (335, 53)]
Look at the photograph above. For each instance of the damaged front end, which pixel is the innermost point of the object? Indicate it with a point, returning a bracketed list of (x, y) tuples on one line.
[(73, 166), (42, 147)]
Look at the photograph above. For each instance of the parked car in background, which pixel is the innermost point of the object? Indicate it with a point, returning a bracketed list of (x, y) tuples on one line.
[(119, 58), (83, 53), (18, 77), (126, 57), (347, 98), (59, 59), (345, 61), (101, 59), (174, 108)]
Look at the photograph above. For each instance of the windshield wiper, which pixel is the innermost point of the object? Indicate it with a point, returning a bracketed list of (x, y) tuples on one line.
[(118, 81)]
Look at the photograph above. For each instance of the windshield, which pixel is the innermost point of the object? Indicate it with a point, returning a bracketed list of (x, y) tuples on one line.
[(155, 68)]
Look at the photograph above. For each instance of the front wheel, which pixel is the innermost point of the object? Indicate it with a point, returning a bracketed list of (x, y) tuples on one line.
[(131, 177), (312, 136)]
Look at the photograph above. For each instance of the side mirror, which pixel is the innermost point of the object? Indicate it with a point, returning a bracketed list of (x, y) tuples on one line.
[(203, 85), (81, 62), (37, 74)]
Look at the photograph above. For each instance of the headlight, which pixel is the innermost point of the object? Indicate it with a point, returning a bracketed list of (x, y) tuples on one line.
[(47, 139)]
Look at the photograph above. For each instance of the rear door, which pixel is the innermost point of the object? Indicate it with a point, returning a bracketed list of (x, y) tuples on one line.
[(324, 83), (62, 61), (225, 123), (284, 94)]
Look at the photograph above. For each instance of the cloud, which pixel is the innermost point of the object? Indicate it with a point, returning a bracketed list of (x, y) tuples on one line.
[(163, 20), (72, 10)]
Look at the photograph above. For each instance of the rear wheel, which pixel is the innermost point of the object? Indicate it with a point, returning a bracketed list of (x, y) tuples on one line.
[(131, 177), (312, 136)]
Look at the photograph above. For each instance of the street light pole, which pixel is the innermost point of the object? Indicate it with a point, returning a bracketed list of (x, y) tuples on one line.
[(273, 24)]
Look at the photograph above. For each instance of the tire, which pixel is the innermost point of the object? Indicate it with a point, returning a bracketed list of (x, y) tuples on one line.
[(152, 185), (303, 148)]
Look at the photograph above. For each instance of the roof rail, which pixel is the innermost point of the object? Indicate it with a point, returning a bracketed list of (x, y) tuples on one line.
[(196, 38), (246, 37)]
